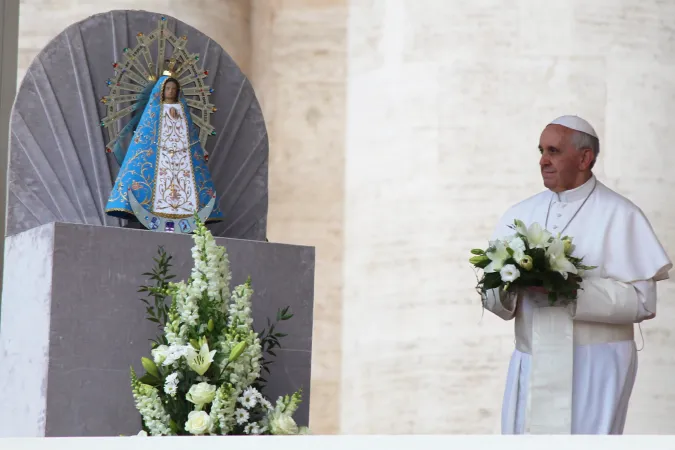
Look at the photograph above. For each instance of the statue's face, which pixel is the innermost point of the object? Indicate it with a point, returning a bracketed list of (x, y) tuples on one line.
[(170, 91)]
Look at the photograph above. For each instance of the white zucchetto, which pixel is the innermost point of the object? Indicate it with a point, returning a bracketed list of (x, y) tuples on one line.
[(575, 123)]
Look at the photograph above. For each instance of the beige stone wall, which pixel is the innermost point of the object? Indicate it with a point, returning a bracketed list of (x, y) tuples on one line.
[(445, 104), (298, 71), (226, 22)]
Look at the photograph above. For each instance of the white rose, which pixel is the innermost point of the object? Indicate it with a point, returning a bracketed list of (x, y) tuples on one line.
[(142, 433), (198, 422), (160, 353), (283, 424), (201, 394), (509, 273)]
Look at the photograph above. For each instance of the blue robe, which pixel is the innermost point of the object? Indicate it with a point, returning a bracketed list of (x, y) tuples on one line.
[(138, 169)]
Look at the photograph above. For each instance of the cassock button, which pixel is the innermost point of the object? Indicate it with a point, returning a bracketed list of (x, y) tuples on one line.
[(559, 215), (555, 227)]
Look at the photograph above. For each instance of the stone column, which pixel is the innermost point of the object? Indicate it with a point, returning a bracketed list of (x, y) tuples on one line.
[(298, 68), (9, 36)]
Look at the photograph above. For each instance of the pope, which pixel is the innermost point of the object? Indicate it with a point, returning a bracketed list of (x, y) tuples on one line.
[(574, 367)]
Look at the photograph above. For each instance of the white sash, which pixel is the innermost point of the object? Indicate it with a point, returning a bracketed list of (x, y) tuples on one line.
[(550, 337), (549, 403)]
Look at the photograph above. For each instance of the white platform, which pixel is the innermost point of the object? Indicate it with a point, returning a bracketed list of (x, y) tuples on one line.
[(347, 442)]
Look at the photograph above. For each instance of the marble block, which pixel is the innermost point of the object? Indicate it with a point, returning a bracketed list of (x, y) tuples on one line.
[(72, 323)]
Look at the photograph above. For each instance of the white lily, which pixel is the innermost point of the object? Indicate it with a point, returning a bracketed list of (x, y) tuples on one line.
[(536, 235), (518, 246), (498, 255), (200, 362), (558, 260)]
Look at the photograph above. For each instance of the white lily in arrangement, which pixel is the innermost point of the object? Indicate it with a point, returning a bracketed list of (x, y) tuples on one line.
[(557, 259), (536, 235), (518, 246), (498, 254), (200, 361)]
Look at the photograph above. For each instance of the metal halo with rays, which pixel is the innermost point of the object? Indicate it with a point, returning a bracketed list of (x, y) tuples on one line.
[(135, 76)]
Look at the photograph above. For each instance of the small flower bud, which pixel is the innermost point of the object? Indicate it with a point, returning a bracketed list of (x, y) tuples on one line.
[(526, 263)]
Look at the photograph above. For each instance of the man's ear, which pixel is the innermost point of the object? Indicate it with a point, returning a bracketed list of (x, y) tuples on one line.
[(587, 158)]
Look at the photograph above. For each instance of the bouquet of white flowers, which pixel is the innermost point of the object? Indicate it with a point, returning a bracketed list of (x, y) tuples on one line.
[(205, 373), (532, 257)]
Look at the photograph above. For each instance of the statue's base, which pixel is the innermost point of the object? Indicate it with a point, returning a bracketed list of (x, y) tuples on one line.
[(72, 323)]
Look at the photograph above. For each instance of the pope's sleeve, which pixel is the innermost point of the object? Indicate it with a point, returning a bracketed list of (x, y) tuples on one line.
[(498, 302), (610, 301)]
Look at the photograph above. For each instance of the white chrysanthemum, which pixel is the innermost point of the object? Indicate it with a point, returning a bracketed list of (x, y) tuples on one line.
[(171, 384), (253, 428), (249, 398), (174, 353), (241, 415), (266, 404)]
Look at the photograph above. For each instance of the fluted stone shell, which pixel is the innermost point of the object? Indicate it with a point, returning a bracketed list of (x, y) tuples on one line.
[(58, 168)]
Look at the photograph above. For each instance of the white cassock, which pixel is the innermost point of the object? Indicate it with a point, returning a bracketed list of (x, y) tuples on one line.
[(573, 368)]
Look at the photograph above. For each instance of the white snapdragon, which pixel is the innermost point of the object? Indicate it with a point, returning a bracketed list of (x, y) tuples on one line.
[(186, 304), (240, 308), (222, 410), (149, 404)]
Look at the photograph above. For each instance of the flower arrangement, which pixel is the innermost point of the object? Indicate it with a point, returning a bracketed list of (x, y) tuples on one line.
[(532, 257), (204, 377)]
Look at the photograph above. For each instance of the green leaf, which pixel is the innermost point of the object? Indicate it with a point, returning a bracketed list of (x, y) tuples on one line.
[(477, 251), (483, 263), (492, 281), (149, 380)]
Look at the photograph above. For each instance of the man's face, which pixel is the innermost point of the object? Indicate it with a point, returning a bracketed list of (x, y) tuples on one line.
[(562, 165), (170, 90)]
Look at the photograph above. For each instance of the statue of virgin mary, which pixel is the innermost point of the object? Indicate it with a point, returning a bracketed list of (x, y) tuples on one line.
[(164, 178)]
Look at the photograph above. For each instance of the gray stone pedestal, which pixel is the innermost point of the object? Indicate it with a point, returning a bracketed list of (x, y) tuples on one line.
[(72, 323)]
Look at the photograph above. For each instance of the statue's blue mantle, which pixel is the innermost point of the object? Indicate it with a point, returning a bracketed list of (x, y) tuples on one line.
[(138, 171)]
